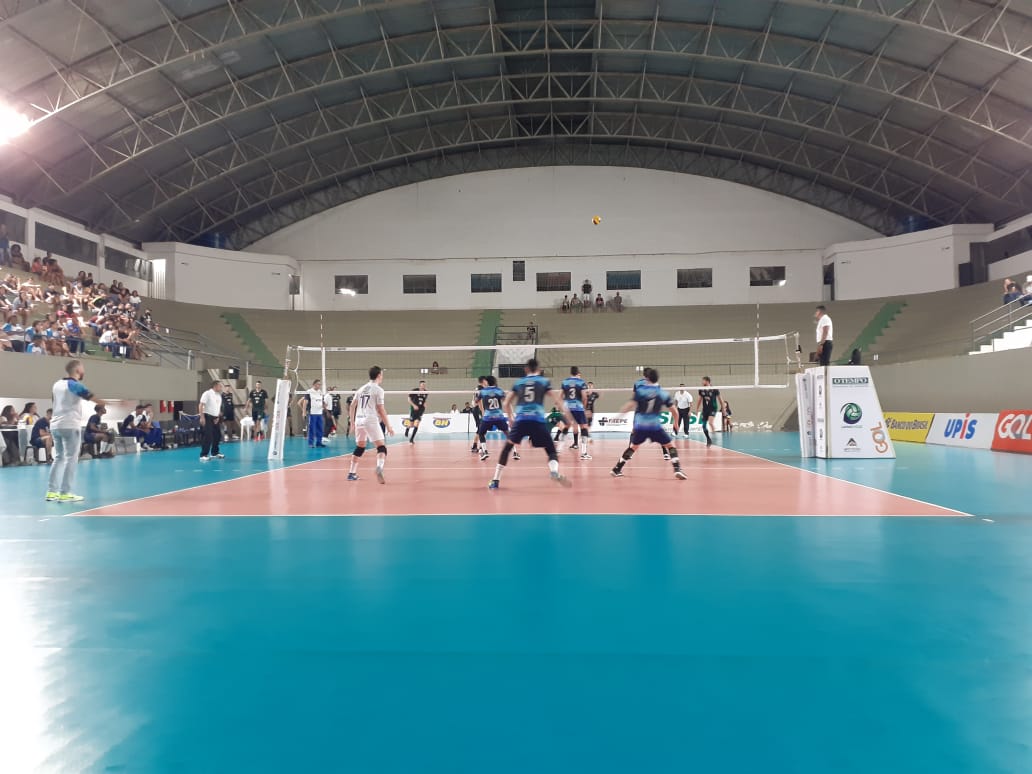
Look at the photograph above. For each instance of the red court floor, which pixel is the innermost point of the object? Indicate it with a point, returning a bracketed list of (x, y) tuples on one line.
[(443, 478)]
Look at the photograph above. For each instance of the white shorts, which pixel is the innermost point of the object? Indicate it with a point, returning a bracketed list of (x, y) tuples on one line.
[(368, 429)]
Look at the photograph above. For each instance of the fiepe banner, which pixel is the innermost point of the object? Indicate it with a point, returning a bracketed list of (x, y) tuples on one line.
[(624, 423), (1013, 432), (909, 426), (975, 431)]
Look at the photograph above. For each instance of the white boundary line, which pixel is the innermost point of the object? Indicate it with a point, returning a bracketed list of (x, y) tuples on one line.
[(843, 480)]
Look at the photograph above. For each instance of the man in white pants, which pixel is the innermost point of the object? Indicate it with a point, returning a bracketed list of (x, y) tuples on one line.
[(369, 418), (70, 396), (684, 408)]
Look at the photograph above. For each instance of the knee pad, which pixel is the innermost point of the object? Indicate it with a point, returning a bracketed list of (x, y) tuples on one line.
[(381, 450), (359, 451), (673, 452), (628, 453)]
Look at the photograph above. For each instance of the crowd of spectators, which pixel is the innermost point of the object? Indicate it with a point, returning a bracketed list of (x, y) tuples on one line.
[(1012, 291), (48, 313)]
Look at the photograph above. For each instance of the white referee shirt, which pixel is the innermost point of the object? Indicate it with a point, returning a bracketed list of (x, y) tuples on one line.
[(825, 322), (211, 403), (317, 402), (684, 400)]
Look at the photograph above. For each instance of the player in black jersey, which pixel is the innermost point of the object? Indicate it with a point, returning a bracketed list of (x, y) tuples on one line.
[(709, 401), (417, 402), (256, 399), (589, 402)]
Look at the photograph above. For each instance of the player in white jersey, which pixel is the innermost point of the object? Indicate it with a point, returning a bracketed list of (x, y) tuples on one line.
[(369, 417)]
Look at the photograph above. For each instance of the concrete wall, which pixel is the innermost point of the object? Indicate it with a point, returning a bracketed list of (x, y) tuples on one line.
[(30, 377), (922, 262), (979, 383)]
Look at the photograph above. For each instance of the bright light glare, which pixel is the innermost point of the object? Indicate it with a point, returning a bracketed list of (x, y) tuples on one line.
[(347, 292), (12, 123)]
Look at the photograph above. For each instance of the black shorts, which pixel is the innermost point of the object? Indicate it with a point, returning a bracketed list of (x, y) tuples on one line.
[(415, 416), (257, 414), (487, 425), (655, 434), (537, 432)]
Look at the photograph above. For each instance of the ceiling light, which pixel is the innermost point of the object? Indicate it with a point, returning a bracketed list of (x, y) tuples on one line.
[(12, 123)]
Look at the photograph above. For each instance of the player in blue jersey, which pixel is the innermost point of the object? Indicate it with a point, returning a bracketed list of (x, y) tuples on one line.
[(574, 389), (528, 400), (648, 402), (491, 399)]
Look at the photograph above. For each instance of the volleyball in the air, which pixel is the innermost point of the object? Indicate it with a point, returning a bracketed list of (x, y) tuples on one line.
[(596, 220)]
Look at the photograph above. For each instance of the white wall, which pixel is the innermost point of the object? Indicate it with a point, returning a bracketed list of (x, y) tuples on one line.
[(1017, 267), (226, 278), (547, 211), (922, 262), (658, 274)]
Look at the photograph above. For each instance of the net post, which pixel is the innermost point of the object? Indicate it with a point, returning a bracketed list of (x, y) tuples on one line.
[(322, 351)]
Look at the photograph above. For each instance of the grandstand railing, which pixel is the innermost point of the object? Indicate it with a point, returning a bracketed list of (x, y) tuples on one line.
[(999, 321)]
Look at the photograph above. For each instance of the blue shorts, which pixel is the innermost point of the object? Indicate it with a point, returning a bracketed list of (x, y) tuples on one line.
[(537, 432), (501, 424), (579, 418), (655, 434)]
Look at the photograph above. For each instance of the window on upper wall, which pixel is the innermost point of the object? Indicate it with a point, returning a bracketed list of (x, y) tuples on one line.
[(623, 280), (485, 283), (766, 276), (128, 264), (15, 227), (350, 284), (695, 278), (419, 283), (553, 282), (64, 245), (519, 271)]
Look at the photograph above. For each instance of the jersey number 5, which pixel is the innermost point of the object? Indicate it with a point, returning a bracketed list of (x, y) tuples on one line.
[(528, 394)]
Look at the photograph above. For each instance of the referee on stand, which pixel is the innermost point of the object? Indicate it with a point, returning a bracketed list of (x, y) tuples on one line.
[(825, 335), (211, 413)]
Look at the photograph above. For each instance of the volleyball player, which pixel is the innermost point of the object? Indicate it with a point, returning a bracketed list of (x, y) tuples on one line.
[(574, 388), (417, 402), (589, 402), (491, 399), (709, 402), (528, 395), (648, 401), (369, 418)]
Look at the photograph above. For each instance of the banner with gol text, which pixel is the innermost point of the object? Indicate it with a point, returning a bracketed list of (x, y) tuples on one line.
[(1013, 431), (975, 431), (908, 425)]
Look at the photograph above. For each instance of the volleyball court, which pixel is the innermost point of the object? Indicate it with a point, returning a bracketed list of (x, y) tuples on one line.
[(433, 470)]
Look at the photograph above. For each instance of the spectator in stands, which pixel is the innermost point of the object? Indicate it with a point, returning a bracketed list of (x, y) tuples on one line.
[(531, 331), (576, 305), (135, 300), (9, 428), (73, 336), (97, 432), (29, 415), (41, 437), (435, 368), (36, 347), (1026, 298), (585, 290), (565, 306), (5, 246), (1012, 292), (17, 259), (600, 303), (37, 266), (617, 302)]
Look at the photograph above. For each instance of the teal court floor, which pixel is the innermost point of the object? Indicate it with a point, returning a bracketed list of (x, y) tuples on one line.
[(487, 642)]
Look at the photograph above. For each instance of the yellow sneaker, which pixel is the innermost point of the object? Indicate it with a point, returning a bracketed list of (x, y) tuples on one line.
[(70, 498), (53, 497)]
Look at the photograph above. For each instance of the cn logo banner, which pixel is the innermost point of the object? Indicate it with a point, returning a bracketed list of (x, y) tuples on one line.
[(1013, 432), (975, 431), (908, 426)]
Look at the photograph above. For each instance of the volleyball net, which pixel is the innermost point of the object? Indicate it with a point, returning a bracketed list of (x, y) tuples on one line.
[(451, 372)]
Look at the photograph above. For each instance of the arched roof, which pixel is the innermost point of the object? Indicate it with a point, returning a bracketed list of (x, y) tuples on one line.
[(174, 119)]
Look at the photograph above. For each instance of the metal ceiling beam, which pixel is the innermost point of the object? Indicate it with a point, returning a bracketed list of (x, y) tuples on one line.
[(994, 25), (873, 74), (866, 181), (827, 124)]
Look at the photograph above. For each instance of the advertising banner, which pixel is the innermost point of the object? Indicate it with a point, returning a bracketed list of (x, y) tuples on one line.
[(855, 423), (908, 425), (819, 385), (436, 424), (974, 431), (1013, 431), (622, 423), (804, 407)]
